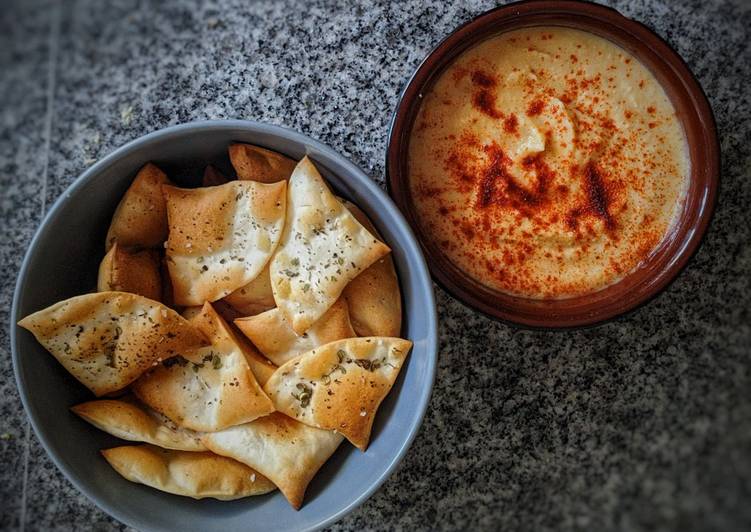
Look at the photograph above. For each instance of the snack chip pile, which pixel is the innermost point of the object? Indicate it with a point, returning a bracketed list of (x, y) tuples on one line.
[(240, 330)]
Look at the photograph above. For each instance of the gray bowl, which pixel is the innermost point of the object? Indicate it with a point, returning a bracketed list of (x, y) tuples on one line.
[(62, 261)]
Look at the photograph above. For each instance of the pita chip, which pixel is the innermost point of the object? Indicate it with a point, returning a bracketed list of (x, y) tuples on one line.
[(273, 336), (220, 238), (262, 367), (191, 312), (107, 340), (259, 164), (255, 297), (136, 272), (284, 450), (140, 219), (210, 389), (197, 475), (374, 298), (168, 296), (322, 249), (212, 177), (228, 313), (218, 317), (339, 386), (129, 420)]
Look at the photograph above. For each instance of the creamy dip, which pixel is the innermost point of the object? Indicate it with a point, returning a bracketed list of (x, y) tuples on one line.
[(547, 163)]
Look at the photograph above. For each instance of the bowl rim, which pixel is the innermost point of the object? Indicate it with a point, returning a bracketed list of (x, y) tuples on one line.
[(460, 285), (392, 212)]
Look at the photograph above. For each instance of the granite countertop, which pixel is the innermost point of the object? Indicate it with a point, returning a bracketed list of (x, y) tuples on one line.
[(643, 423)]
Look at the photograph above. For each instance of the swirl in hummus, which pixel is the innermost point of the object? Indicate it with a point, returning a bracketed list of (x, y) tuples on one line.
[(547, 163)]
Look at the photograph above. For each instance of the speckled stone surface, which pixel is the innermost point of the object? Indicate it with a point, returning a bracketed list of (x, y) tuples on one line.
[(640, 424)]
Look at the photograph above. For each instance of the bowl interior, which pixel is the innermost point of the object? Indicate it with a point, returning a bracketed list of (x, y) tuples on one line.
[(62, 262), (693, 111)]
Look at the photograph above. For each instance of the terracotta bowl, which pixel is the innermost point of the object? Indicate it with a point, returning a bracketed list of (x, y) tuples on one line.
[(692, 109)]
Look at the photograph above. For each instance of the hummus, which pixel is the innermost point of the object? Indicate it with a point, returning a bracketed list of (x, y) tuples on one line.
[(547, 163)]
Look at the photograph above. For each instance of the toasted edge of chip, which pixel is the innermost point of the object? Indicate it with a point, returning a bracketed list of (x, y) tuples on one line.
[(129, 420), (374, 296), (274, 337), (136, 272), (286, 451), (254, 163), (191, 474), (255, 297), (212, 177), (140, 219)]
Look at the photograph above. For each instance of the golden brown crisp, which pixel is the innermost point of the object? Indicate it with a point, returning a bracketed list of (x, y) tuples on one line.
[(253, 163), (136, 272), (192, 474), (140, 219), (107, 340)]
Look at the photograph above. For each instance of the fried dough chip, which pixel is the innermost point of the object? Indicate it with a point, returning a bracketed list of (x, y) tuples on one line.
[(322, 249), (255, 297), (168, 294), (140, 219), (107, 340), (191, 312), (226, 311), (197, 475), (136, 272), (261, 366), (274, 337), (254, 163), (220, 238), (374, 298), (339, 386), (212, 177), (286, 451), (129, 420), (209, 390)]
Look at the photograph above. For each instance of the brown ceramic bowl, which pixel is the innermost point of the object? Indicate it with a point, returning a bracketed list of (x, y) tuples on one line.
[(693, 111)]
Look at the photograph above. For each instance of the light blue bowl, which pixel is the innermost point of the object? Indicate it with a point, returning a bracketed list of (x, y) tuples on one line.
[(62, 261)]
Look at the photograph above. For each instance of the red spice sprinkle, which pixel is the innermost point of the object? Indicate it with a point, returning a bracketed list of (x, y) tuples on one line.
[(495, 170), (459, 74), (498, 186), (598, 199), (535, 107), (468, 231), (484, 99), (511, 124), (482, 79), (499, 195)]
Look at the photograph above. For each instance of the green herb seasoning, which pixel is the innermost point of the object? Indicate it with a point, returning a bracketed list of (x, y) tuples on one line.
[(303, 395)]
